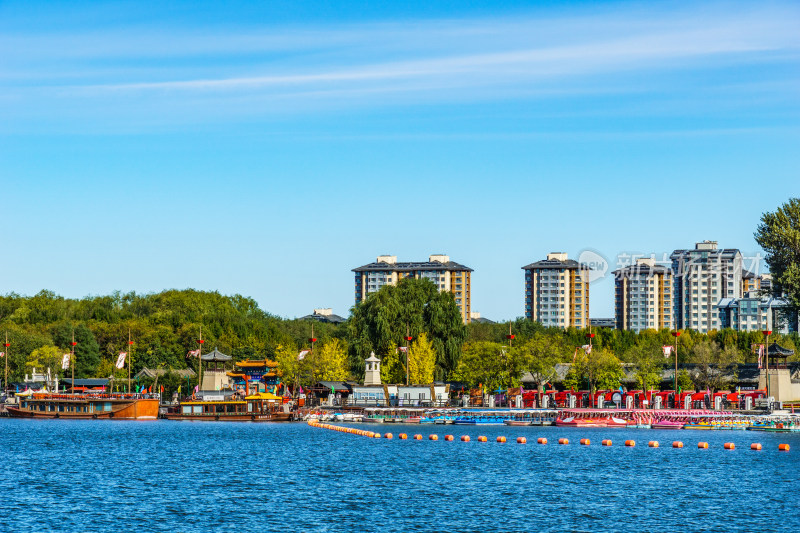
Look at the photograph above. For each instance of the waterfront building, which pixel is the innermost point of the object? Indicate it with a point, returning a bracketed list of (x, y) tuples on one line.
[(447, 275), (643, 296), (475, 317), (702, 277), (755, 313), (214, 377), (557, 292)]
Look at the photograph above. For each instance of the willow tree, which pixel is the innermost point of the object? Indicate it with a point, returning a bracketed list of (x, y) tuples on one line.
[(410, 308)]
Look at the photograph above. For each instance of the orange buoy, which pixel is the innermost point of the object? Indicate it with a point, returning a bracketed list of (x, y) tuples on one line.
[(783, 447), (501, 439), (482, 438), (541, 440), (755, 446), (433, 437), (703, 445), (377, 435), (388, 436), (630, 443), (417, 437), (677, 444), (653, 444), (464, 438), (563, 441), (729, 446), (402, 436), (585, 442), (606, 442), (521, 440), (447, 438)]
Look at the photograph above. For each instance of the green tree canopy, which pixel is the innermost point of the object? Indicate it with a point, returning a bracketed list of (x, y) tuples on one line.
[(779, 235), (412, 307)]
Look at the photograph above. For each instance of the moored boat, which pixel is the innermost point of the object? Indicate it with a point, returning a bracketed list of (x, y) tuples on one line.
[(261, 407), (87, 406)]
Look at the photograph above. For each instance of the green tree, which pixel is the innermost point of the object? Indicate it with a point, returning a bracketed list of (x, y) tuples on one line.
[(539, 355), (87, 351), (600, 369), (421, 361), (412, 307), (716, 367), (393, 369), (490, 364), (649, 362), (292, 369), (46, 357), (779, 235)]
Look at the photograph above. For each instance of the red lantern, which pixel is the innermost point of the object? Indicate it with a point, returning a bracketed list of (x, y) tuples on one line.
[(409, 338), (200, 341), (767, 332), (590, 335), (312, 339), (130, 342), (510, 337), (73, 343), (676, 333), (7, 344)]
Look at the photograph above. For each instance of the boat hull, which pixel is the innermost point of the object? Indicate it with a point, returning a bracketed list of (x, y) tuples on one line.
[(83, 409)]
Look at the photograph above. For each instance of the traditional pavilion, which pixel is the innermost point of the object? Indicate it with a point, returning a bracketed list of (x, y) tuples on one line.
[(255, 375), (214, 377)]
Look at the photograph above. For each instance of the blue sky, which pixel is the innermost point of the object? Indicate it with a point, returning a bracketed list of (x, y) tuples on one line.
[(269, 148)]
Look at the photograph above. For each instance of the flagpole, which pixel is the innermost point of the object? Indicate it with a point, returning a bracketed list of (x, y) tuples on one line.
[(5, 380), (200, 341), (72, 359), (130, 356)]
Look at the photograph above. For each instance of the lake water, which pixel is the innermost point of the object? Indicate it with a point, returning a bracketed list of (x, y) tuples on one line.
[(181, 476)]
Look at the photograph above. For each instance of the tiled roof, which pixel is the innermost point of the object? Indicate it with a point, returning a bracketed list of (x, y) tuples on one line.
[(570, 264)]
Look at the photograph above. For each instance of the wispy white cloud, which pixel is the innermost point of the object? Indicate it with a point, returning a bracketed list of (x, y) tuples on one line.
[(275, 69)]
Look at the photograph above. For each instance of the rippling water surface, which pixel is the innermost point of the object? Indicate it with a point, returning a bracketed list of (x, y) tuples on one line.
[(181, 476)]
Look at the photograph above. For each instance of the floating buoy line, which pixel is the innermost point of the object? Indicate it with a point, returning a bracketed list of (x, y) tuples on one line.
[(520, 440)]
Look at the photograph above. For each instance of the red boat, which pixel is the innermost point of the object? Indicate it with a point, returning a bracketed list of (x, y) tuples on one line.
[(581, 418)]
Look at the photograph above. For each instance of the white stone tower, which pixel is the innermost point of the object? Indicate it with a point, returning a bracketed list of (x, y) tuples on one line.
[(373, 374)]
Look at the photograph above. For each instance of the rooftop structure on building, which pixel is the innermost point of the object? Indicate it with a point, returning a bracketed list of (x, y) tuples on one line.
[(557, 292), (602, 323), (324, 315), (476, 318), (445, 274)]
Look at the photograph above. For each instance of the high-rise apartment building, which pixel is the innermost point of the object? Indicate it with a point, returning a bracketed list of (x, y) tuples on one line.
[(445, 274), (643, 296), (702, 277), (557, 292)]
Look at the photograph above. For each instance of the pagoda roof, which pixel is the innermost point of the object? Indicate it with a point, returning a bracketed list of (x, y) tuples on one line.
[(216, 356), (250, 363), (775, 350)]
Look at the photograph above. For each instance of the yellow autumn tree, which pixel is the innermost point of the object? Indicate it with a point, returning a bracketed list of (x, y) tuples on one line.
[(421, 361), (330, 362)]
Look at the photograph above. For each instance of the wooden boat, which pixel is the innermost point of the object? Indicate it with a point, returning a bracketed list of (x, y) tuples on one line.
[(261, 407), (87, 406), (667, 424), (518, 422)]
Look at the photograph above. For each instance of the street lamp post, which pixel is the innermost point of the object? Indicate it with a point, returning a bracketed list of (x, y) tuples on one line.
[(5, 356), (200, 341), (130, 356), (767, 333), (676, 334), (311, 340)]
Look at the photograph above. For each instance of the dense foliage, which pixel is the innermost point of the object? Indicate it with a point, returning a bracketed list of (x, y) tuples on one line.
[(779, 236), (165, 326)]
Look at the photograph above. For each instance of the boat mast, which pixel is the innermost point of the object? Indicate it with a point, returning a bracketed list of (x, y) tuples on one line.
[(5, 380), (130, 356)]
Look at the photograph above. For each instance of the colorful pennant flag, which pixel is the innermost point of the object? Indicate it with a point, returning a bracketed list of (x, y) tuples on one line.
[(121, 360), (2, 354), (65, 362), (760, 355), (667, 350), (193, 353), (587, 348), (302, 355)]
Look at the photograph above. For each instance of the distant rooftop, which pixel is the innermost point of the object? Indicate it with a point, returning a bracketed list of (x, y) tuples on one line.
[(324, 315), (390, 263), (556, 260)]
